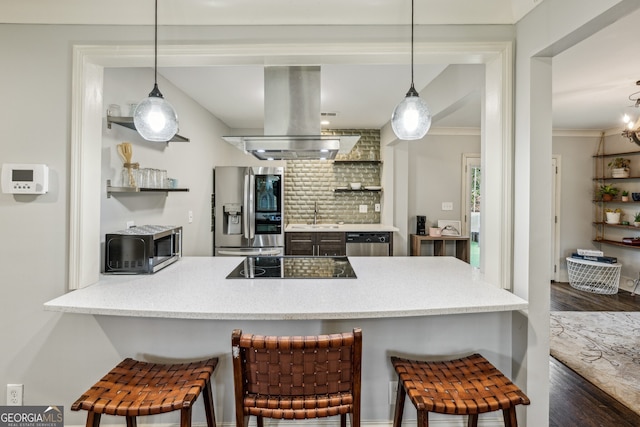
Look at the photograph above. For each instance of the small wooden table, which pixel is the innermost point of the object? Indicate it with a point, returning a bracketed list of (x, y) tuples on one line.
[(439, 245)]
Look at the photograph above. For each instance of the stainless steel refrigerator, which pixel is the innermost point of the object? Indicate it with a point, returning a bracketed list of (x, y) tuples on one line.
[(248, 211)]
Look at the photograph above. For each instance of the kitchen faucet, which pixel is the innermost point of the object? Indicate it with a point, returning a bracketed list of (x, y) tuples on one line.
[(315, 213)]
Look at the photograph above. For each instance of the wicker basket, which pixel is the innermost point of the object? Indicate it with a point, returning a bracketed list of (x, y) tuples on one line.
[(591, 276)]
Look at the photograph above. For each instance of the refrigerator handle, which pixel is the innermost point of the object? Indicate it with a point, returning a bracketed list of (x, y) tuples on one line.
[(249, 214)]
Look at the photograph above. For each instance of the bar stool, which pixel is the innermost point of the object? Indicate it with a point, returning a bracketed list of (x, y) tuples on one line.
[(297, 377), (135, 388), (466, 386)]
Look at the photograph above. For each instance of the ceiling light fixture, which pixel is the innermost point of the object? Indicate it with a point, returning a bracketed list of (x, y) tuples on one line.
[(632, 129), (155, 119), (411, 118)]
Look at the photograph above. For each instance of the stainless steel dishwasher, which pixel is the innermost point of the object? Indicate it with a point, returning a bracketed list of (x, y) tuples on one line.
[(369, 243)]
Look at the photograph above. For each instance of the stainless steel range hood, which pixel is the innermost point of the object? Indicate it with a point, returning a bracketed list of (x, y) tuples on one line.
[(292, 119)]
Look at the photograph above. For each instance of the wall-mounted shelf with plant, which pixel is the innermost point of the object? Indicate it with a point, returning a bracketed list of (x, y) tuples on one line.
[(610, 216), (613, 215), (625, 196), (619, 167), (608, 192)]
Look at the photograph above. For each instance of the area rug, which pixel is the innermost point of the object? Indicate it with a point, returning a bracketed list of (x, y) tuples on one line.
[(603, 347)]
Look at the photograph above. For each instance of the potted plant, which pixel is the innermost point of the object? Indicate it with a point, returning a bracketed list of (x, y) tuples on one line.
[(636, 219), (619, 167), (608, 192), (625, 196), (613, 215)]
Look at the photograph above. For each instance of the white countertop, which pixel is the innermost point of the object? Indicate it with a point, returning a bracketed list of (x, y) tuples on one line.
[(339, 227), (197, 288)]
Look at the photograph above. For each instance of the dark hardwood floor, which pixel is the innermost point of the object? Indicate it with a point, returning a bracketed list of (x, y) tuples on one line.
[(573, 400)]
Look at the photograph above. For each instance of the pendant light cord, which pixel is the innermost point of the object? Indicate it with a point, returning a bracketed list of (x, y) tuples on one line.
[(155, 47), (411, 42), (412, 90)]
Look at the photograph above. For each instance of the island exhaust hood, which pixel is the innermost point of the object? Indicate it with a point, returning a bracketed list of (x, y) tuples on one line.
[(292, 119)]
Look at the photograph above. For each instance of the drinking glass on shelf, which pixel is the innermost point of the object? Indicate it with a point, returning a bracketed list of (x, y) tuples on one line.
[(146, 178), (162, 179), (130, 175), (125, 177), (155, 178)]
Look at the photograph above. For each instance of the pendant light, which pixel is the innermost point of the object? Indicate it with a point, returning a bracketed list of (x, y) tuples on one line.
[(411, 118), (155, 119)]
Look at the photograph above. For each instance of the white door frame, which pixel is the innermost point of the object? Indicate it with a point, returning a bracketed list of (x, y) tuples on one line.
[(468, 159), (555, 216)]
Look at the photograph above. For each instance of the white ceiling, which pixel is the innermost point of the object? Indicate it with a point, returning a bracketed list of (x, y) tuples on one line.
[(591, 81)]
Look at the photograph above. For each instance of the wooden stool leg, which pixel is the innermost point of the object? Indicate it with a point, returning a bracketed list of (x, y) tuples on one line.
[(185, 417), (93, 419), (473, 421), (207, 396), (423, 419), (343, 420), (132, 421), (509, 416), (400, 396), (260, 421)]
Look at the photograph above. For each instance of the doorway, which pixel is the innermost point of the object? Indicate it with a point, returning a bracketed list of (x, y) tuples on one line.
[(472, 205)]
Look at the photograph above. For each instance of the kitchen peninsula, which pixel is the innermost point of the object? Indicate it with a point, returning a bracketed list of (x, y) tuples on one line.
[(386, 287), (405, 305)]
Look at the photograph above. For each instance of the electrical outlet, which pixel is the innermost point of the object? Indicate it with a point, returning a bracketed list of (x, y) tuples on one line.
[(393, 389), (14, 394), (363, 209), (131, 224), (376, 207)]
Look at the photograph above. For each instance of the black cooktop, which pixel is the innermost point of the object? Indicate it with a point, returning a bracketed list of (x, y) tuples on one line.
[(293, 267)]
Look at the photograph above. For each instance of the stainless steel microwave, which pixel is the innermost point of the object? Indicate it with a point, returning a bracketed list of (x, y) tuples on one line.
[(142, 250)]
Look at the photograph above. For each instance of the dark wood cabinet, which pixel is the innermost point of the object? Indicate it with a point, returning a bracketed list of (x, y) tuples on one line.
[(299, 244), (315, 243)]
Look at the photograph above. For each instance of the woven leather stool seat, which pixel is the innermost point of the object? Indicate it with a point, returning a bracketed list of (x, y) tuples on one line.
[(297, 377), (466, 386), (135, 388)]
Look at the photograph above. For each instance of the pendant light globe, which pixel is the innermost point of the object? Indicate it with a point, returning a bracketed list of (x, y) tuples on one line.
[(155, 119), (411, 119)]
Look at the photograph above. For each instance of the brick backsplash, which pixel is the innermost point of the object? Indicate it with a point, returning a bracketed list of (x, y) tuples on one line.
[(311, 181)]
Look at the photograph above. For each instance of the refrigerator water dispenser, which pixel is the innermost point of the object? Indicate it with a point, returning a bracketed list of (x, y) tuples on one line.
[(232, 218)]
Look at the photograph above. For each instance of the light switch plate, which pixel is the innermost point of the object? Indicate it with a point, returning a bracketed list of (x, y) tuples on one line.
[(363, 208), (447, 206)]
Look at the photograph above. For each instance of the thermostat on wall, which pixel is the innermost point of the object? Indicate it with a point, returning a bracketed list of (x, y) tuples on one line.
[(25, 178)]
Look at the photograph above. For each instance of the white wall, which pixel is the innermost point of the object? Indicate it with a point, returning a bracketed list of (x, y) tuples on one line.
[(435, 176), (190, 162)]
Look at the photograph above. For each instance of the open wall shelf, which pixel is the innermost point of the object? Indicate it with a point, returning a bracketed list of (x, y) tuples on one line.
[(133, 190), (128, 123)]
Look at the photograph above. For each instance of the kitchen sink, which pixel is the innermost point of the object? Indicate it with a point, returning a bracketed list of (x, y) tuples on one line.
[(315, 226)]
